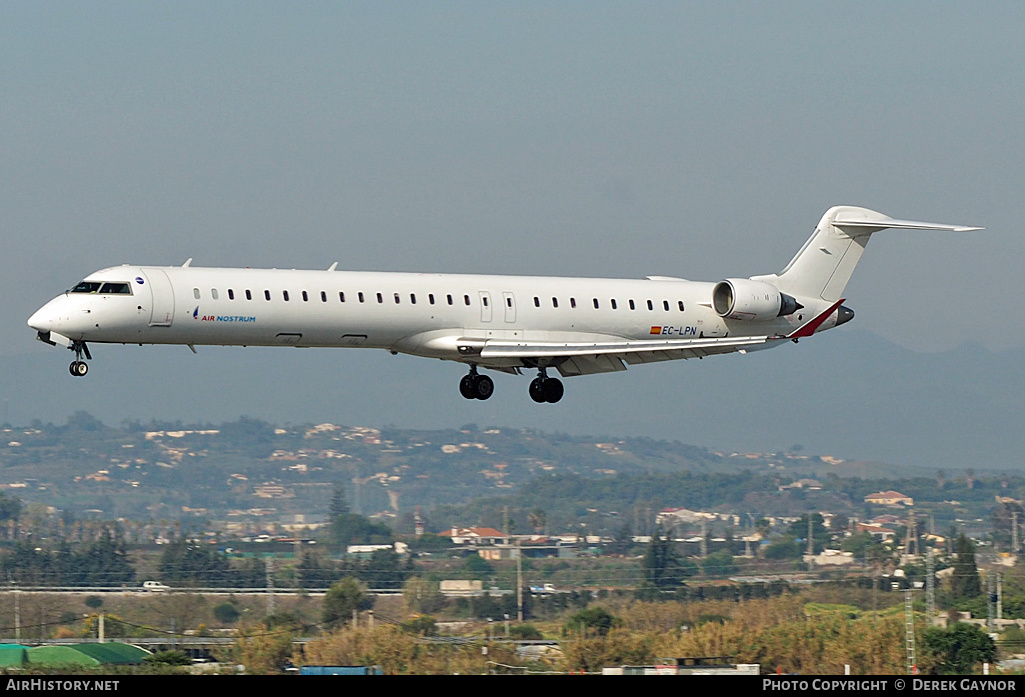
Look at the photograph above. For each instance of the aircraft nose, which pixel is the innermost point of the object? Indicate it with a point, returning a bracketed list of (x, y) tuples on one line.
[(41, 320)]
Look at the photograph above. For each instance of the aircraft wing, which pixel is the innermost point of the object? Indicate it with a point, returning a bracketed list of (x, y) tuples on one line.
[(581, 358)]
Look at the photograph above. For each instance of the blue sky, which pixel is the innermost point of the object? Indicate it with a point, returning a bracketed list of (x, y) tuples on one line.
[(698, 139)]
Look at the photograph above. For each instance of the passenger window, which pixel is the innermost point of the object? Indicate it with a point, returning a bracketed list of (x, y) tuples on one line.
[(665, 305), (231, 294), (306, 297), (380, 298), (195, 293), (537, 301), (508, 302), (341, 296), (572, 302), (323, 297), (361, 296), (213, 293), (613, 303), (596, 303), (249, 294), (466, 299), (632, 306), (396, 298), (284, 294), (680, 303), (555, 302), (650, 306), (412, 298), (449, 299), (266, 294), (485, 299), (430, 298)]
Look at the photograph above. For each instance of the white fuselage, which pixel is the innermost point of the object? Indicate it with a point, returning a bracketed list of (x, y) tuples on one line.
[(577, 326), (419, 314)]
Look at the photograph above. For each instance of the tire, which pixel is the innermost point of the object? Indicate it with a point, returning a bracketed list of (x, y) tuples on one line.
[(468, 387), (537, 390), (485, 387), (553, 390)]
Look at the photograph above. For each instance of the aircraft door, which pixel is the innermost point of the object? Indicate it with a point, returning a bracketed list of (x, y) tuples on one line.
[(485, 306), (161, 297)]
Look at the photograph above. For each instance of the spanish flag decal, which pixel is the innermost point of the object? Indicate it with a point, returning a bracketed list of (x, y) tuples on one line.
[(655, 330)]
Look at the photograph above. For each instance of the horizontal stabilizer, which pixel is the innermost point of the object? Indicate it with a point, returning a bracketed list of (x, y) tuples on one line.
[(891, 223), (824, 264)]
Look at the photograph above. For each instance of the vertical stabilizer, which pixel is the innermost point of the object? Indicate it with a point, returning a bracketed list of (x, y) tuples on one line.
[(823, 266)]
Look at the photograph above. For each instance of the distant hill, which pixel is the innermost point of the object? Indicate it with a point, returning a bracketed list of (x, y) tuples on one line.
[(847, 394)]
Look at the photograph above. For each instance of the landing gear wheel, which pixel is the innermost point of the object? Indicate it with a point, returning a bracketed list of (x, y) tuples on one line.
[(78, 368), (553, 390), (485, 387), (537, 390), (468, 387)]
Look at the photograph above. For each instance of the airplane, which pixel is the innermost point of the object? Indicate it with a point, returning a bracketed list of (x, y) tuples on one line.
[(575, 326)]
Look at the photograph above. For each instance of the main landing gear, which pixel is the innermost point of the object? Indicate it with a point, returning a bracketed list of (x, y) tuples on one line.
[(542, 388), (474, 386), (546, 389), (78, 367)]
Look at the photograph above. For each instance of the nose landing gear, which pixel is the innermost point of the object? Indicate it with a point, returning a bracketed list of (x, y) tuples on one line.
[(474, 386), (78, 367)]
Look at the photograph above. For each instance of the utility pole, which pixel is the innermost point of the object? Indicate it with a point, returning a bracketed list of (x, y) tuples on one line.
[(1014, 532), (17, 615), (1000, 596), (909, 633), (991, 605), (519, 582), (270, 585), (930, 586)]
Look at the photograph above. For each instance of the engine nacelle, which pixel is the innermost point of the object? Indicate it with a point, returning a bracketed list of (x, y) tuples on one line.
[(742, 298)]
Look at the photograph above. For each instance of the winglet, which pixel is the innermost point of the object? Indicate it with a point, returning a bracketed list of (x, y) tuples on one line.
[(808, 328), (333, 266), (188, 262)]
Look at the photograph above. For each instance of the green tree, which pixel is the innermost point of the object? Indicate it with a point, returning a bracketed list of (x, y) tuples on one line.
[(478, 567), (593, 619), (865, 547), (422, 596), (965, 582), (10, 507), (719, 564), (799, 531), (957, 650), (784, 548), (263, 650), (537, 519), (186, 563), (342, 599), (384, 570), (339, 502), (354, 529), (664, 569), (226, 613)]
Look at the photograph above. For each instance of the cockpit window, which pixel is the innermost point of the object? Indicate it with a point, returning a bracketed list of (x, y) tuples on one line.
[(116, 289), (86, 287)]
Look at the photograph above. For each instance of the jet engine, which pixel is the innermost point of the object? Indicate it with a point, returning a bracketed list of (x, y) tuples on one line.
[(742, 298)]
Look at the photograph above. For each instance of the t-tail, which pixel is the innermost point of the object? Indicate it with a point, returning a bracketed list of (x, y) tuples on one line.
[(823, 266)]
